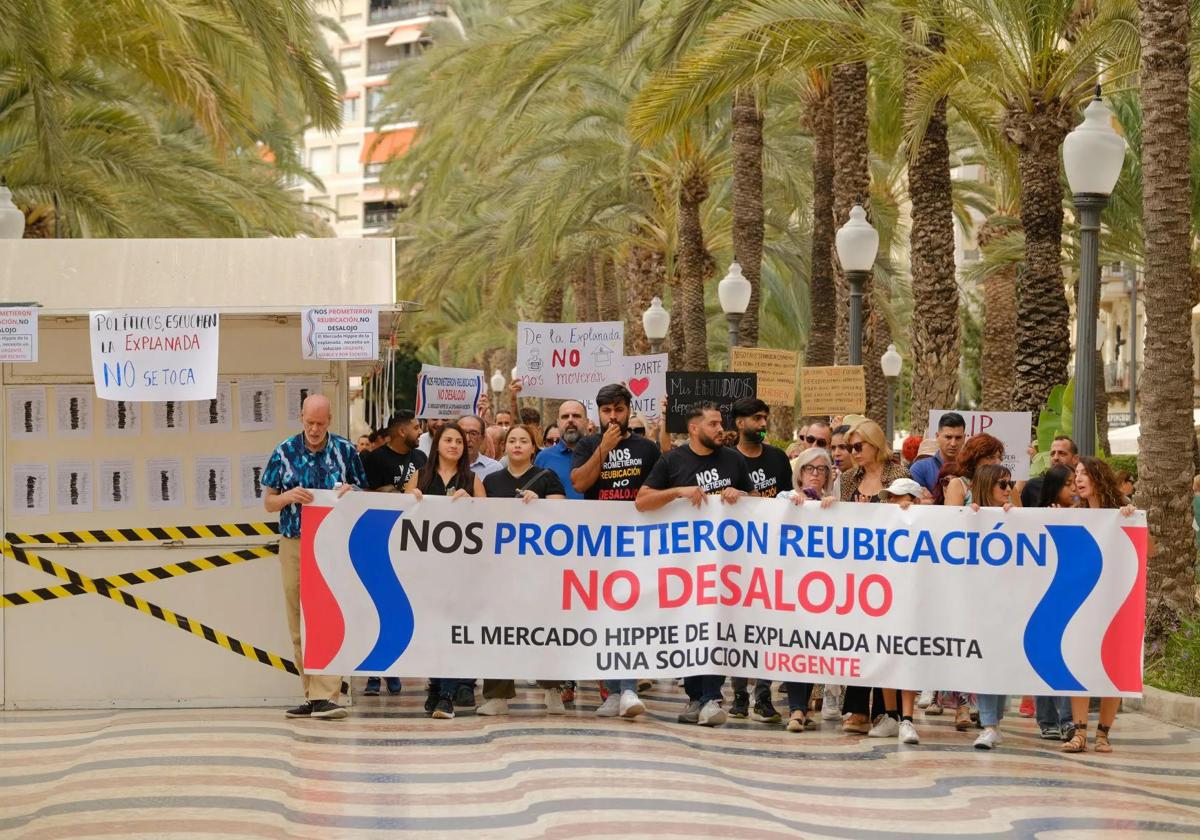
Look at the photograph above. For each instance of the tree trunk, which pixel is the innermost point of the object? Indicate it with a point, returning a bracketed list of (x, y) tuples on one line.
[(748, 204), (550, 303), (935, 333), (676, 345), (1163, 487), (696, 266), (608, 289), (851, 182), (583, 290), (644, 270), (822, 297), (999, 329), (1042, 310)]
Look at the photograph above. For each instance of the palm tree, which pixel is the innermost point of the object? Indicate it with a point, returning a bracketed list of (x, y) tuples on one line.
[(821, 289), (747, 149)]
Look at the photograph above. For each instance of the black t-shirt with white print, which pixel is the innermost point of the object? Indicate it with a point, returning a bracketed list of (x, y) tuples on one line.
[(681, 467), (385, 467), (623, 471), (770, 472)]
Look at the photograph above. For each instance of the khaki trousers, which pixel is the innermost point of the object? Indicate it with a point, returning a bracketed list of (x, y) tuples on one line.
[(316, 687), (507, 689)]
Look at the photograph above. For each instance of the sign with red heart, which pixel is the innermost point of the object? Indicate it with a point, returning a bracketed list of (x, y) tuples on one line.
[(646, 378)]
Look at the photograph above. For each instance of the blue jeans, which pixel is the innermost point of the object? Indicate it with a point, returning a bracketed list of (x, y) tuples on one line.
[(991, 708), (1053, 711), (444, 687), (703, 689), (798, 694), (617, 686)]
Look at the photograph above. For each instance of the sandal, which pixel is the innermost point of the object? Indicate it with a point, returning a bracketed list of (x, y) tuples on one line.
[(962, 718), (1102, 743), (797, 721), (1078, 742)]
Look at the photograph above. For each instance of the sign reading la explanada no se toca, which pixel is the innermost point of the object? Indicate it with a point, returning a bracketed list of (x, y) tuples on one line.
[(1029, 601), (154, 355)]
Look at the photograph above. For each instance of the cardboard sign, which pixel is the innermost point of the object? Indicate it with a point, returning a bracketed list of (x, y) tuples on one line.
[(686, 389), (154, 355), (833, 390), (18, 334), (445, 393), (340, 333), (1011, 427), (776, 371), (566, 360), (646, 379)]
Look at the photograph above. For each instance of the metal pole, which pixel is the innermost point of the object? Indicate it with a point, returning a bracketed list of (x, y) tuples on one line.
[(735, 321), (655, 345), (1089, 206), (891, 409), (857, 279), (1131, 279)]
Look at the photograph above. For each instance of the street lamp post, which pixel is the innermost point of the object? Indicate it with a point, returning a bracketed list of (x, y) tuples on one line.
[(734, 292), (857, 244), (892, 363), (656, 322), (497, 382), (1092, 154)]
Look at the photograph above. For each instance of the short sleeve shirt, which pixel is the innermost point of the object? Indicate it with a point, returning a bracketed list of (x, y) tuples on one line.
[(292, 465), (770, 472), (504, 485), (682, 467), (558, 458), (623, 471), (386, 467)]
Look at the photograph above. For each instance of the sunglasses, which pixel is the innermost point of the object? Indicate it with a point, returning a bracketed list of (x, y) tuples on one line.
[(1006, 484), (638, 430), (821, 442), (856, 447)]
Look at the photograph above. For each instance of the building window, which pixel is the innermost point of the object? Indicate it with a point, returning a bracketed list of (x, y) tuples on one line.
[(320, 160), (347, 158), (350, 110), (378, 214), (347, 207), (350, 58)]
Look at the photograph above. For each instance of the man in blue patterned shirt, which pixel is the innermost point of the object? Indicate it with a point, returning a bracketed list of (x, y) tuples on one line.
[(315, 459)]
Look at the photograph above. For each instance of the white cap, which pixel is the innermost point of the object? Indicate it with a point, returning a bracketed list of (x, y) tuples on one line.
[(904, 487)]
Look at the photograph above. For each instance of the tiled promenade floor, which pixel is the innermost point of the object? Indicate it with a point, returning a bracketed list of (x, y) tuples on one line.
[(389, 770)]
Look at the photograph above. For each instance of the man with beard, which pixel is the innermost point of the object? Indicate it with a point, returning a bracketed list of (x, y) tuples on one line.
[(694, 472), (572, 417)]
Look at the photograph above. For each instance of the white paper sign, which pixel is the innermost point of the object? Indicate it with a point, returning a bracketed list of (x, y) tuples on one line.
[(26, 413), (445, 393), (73, 410), (213, 415), (164, 482), (170, 417), (18, 334), (646, 378), (295, 392), (122, 417), (341, 333), (73, 480), (566, 360), (1011, 427), (114, 485), (250, 472), (213, 475), (256, 404), (30, 489), (155, 354)]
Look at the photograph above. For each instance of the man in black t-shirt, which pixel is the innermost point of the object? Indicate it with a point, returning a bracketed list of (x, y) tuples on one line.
[(395, 463), (694, 472)]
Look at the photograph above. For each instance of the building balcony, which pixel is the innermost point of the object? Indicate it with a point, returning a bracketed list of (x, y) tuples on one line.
[(372, 171), (384, 66), (389, 11), (379, 217)]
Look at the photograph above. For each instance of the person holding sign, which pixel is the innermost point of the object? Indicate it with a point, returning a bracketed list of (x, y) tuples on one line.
[(315, 459), (694, 472)]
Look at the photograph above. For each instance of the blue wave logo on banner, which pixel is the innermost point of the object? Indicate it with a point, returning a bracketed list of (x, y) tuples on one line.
[(372, 562)]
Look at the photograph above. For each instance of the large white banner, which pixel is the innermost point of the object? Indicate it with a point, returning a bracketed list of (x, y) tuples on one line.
[(155, 355), (1024, 602)]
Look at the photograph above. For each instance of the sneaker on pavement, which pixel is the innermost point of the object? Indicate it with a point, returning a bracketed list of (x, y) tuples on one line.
[(764, 711), (691, 714), (1051, 733), (741, 705), (1027, 708), (1066, 731), (611, 707), (645, 685), (908, 733), (935, 708), (856, 727), (988, 738), (553, 701), (797, 721), (444, 710), (372, 689), (630, 704), (567, 695), (431, 700), (393, 685), (831, 702), (925, 699), (464, 697), (327, 710), (495, 706), (962, 718), (711, 714), (302, 711), (885, 726)]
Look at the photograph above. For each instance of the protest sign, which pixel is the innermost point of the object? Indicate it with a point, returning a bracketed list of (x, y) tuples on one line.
[(18, 334), (340, 333), (776, 371), (646, 379), (685, 389), (569, 360), (832, 390), (154, 354), (986, 601), (446, 393), (1011, 427)]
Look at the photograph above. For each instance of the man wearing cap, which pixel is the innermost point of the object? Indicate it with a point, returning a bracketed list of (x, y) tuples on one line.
[(951, 432)]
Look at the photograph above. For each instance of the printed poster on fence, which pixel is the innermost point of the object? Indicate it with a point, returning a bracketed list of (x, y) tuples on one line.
[(987, 601), (569, 361), (446, 393), (1011, 427), (18, 334), (646, 379), (154, 354), (340, 333)]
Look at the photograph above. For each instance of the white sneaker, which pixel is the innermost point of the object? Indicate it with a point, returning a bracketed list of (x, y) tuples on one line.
[(831, 703), (611, 707), (925, 698), (989, 738), (908, 733), (631, 704), (885, 727), (711, 714), (554, 703), (495, 706)]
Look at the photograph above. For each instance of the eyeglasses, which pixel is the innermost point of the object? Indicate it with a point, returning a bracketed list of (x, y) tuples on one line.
[(814, 469), (638, 430), (821, 442), (472, 433), (1006, 484), (856, 447)]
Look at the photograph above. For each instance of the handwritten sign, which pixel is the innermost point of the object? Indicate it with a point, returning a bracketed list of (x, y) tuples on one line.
[(833, 390), (646, 379), (565, 360), (1011, 427), (340, 333), (686, 389), (776, 371), (154, 354), (446, 393), (18, 334)]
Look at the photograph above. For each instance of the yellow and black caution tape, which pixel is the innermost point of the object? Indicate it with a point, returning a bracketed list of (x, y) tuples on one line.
[(170, 570), (158, 533), (83, 583)]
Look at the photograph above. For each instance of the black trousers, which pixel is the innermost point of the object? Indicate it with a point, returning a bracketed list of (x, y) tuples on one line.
[(858, 700)]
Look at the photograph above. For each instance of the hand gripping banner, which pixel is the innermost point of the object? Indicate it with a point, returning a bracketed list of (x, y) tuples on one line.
[(1023, 602)]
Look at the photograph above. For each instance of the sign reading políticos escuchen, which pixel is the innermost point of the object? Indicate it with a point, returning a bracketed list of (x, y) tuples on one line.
[(1025, 602), (155, 355), (340, 333)]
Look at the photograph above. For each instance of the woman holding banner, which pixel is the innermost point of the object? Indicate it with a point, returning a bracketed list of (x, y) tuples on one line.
[(521, 480), (446, 473), (1096, 486)]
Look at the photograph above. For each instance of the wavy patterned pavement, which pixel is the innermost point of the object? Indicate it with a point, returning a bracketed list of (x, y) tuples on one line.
[(239, 773)]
